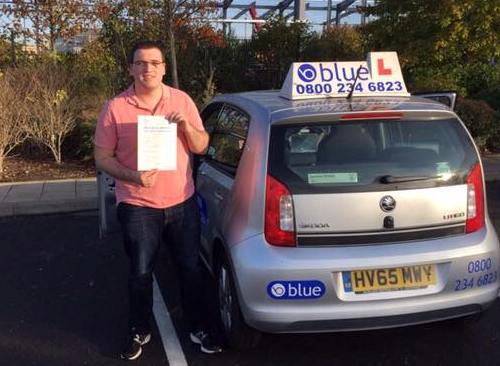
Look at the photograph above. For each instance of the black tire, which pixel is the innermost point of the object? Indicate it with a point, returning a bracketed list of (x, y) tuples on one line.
[(237, 333)]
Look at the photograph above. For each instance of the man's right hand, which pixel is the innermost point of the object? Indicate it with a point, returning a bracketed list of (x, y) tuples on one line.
[(147, 179), (105, 160)]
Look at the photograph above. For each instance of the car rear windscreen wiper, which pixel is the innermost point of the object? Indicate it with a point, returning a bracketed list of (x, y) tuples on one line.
[(388, 179)]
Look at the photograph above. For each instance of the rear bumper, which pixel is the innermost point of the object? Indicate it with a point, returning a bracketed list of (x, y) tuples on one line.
[(288, 322), (256, 265), (383, 321)]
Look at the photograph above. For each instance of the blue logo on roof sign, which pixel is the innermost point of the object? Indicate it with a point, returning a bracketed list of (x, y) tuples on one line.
[(296, 290), (307, 73)]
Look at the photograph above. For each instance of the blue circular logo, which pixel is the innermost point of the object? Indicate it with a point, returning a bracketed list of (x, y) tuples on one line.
[(307, 73), (278, 290)]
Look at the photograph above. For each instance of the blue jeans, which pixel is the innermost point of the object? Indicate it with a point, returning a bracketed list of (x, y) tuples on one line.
[(143, 229)]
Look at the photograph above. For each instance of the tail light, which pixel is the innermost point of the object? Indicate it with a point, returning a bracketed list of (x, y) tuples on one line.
[(279, 224), (475, 200)]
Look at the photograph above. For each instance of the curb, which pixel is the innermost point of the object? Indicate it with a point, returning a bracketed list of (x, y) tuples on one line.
[(49, 181), (52, 206)]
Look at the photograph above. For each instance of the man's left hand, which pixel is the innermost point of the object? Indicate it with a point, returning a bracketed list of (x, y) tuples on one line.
[(181, 121), (196, 139)]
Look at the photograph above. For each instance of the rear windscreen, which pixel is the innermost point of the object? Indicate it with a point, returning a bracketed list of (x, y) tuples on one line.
[(370, 155)]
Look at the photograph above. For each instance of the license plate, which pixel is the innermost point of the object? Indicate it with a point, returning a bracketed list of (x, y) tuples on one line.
[(389, 279)]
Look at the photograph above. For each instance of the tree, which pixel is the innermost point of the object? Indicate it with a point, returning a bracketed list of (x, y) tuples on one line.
[(54, 106), (97, 74), (337, 43), (234, 65), (51, 19), (5, 52), (449, 40), (276, 46), (200, 50), (174, 15), (97, 69), (126, 21), (14, 111)]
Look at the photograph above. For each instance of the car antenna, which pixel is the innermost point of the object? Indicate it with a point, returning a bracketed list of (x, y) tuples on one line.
[(349, 96)]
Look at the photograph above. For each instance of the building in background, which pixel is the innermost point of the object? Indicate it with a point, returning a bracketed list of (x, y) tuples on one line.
[(75, 44)]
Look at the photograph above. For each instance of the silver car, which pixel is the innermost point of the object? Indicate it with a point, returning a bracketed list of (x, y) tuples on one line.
[(342, 214)]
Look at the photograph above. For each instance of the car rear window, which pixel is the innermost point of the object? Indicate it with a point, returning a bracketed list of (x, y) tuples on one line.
[(370, 155)]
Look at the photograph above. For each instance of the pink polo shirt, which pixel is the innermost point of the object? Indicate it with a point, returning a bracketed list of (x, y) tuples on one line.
[(117, 130)]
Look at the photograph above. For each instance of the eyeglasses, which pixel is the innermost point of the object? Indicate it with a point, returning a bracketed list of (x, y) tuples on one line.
[(155, 64)]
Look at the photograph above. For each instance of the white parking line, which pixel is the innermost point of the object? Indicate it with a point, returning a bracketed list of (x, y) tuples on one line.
[(171, 343)]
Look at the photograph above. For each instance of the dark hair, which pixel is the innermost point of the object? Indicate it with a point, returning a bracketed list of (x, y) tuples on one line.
[(141, 45)]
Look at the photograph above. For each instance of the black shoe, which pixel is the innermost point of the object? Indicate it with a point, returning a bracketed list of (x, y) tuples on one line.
[(207, 344), (133, 348)]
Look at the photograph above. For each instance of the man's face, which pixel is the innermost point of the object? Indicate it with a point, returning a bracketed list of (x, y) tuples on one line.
[(148, 68)]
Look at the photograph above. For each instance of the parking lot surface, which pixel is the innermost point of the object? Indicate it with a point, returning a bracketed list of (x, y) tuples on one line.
[(64, 301)]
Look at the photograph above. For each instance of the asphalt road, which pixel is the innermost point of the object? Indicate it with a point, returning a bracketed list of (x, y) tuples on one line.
[(63, 302)]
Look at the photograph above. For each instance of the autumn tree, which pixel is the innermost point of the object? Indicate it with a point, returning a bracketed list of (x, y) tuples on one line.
[(54, 105), (126, 21), (51, 19), (174, 15), (448, 43), (201, 52), (14, 114)]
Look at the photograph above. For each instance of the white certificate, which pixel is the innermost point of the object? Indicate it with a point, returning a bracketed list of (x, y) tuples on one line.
[(156, 143)]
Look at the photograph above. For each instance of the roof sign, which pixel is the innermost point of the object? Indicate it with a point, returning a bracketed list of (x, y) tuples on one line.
[(380, 75)]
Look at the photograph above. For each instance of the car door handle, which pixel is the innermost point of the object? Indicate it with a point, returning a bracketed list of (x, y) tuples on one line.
[(218, 196)]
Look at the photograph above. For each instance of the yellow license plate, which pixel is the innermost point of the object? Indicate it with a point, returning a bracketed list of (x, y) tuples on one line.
[(389, 279)]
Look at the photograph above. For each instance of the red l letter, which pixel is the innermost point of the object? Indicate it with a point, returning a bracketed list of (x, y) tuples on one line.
[(381, 69)]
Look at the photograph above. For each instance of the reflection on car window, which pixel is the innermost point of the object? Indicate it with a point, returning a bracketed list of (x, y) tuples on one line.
[(233, 121), (305, 139), (226, 149), (211, 120), (228, 139)]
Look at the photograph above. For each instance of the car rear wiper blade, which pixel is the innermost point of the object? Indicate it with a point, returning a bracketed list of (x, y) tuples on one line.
[(387, 179)]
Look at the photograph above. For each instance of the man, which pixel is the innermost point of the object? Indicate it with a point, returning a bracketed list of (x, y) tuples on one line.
[(154, 204)]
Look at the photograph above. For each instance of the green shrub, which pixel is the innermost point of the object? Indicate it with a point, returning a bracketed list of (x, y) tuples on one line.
[(493, 143), (80, 143), (482, 121), (421, 79), (491, 96)]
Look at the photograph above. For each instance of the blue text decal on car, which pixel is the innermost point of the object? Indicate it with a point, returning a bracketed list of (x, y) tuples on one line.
[(296, 290), (202, 205)]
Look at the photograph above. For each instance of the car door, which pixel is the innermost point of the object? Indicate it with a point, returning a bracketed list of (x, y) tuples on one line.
[(227, 127), (205, 186)]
